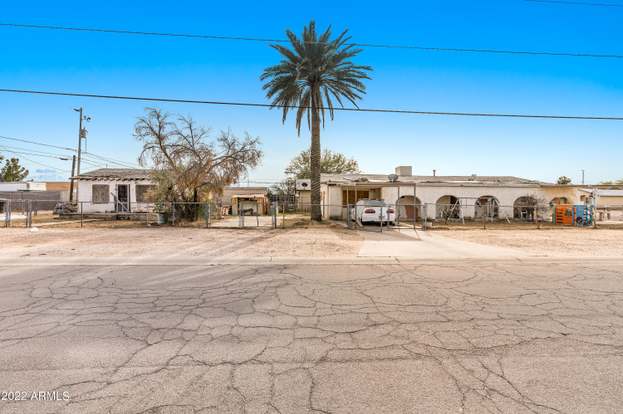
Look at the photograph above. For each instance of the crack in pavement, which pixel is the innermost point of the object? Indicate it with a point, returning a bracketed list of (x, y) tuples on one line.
[(491, 337)]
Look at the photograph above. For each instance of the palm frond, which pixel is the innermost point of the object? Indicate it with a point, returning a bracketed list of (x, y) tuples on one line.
[(314, 71)]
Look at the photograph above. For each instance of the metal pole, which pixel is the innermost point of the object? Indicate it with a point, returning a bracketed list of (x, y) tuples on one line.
[(81, 214), (414, 209), (425, 216), (79, 151), (71, 182), (397, 211), (414, 213), (209, 214), (484, 216)]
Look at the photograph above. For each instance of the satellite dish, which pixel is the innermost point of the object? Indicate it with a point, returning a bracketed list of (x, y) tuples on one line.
[(392, 178)]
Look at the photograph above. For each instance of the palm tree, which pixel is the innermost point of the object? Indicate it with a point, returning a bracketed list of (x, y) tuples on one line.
[(311, 75)]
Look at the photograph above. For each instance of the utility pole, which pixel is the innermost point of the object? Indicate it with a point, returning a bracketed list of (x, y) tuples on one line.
[(582, 177), (71, 184), (82, 134)]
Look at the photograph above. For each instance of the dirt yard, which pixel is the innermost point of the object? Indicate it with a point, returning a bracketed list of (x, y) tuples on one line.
[(171, 242), (567, 242), (306, 241)]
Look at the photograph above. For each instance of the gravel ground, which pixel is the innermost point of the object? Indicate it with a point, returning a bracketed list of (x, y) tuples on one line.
[(556, 242), (158, 242), (312, 242)]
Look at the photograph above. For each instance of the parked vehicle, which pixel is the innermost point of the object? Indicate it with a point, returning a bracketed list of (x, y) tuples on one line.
[(373, 211)]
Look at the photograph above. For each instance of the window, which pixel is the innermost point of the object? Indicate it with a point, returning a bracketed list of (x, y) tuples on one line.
[(145, 193), (100, 193)]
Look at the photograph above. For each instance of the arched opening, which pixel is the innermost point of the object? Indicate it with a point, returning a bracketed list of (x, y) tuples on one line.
[(524, 208), (559, 200), (448, 207), (409, 208), (487, 206)]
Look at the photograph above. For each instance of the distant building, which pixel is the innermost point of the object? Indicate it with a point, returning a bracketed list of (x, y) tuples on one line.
[(41, 196), (253, 200)]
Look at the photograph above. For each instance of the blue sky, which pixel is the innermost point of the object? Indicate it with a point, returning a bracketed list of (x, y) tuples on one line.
[(403, 79)]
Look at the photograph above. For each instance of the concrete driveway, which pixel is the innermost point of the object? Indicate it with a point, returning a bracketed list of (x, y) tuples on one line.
[(467, 337), (417, 245)]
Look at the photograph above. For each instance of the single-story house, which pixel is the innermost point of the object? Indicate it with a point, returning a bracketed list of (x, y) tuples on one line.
[(120, 190), (115, 190), (468, 197)]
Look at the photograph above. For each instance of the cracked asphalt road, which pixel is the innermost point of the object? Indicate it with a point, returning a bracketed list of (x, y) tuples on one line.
[(465, 337)]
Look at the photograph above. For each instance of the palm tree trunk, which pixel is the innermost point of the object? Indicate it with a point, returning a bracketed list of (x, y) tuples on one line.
[(316, 212)]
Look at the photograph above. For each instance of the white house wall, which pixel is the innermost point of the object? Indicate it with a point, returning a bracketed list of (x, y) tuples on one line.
[(467, 196), (429, 194), (85, 196)]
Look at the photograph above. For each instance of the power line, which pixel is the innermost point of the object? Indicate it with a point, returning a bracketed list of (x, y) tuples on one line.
[(39, 163), (36, 143), (26, 151), (35, 152), (109, 160), (275, 40), (577, 3), (7, 149), (373, 110)]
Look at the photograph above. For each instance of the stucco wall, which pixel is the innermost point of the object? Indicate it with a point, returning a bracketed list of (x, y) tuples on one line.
[(570, 193), (467, 194)]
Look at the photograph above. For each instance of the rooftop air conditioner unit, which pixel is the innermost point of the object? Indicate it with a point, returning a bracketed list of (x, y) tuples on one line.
[(303, 184)]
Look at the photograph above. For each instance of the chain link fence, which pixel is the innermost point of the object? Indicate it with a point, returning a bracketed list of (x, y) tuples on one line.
[(366, 215)]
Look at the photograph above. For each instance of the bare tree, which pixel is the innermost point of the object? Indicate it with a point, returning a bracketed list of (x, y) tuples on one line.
[(188, 166)]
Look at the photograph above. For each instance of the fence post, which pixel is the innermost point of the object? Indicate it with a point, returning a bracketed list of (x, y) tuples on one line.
[(484, 216), (283, 215), (348, 219), (7, 209), (425, 216), (29, 215), (81, 215), (273, 213)]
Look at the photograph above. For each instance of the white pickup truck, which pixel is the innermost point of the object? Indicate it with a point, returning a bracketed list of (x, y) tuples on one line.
[(372, 211)]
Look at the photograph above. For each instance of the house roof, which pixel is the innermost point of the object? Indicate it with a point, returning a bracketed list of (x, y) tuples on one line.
[(116, 174), (429, 179)]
